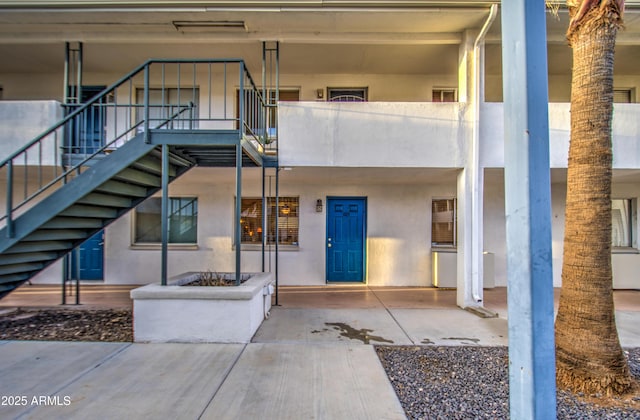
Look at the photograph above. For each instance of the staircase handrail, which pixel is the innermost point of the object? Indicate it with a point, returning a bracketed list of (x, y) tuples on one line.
[(112, 87), (8, 163)]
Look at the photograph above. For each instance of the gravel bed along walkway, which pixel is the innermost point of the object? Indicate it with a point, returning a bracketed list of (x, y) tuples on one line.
[(67, 325), (472, 383)]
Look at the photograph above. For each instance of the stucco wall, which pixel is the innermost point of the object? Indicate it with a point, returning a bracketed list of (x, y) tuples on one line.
[(374, 134), (626, 135), (398, 231), (625, 265), (22, 121)]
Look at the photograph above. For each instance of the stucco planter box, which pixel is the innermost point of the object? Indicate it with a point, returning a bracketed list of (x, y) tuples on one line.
[(201, 314)]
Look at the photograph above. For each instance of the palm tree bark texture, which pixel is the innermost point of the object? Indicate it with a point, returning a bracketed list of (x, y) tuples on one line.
[(589, 357)]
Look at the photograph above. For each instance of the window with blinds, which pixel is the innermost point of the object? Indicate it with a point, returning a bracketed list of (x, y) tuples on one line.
[(622, 223), (286, 216), (623, 96), (443, 222)]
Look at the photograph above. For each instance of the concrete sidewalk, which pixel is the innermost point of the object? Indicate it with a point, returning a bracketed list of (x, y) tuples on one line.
[(313, 358)]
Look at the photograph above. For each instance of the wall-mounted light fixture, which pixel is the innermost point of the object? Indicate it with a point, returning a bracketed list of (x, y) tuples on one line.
[(319, 206), (320, 93)]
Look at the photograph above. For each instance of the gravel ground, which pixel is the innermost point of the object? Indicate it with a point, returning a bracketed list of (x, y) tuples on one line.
[(67, 325), (472, 383)]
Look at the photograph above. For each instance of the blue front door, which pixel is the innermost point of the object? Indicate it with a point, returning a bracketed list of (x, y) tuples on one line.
[(87, 133), (91, 256), (345, 244)]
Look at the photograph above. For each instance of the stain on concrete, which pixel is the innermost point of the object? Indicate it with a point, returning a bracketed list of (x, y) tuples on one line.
[(427, 341), (361, 334), (319, 331), (473, 340)]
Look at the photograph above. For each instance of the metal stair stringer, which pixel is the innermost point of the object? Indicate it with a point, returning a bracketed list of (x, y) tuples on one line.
[(86, 204)]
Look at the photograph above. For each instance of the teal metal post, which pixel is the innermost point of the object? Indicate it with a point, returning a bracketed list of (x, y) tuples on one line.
[(238, 211), (164, 214), (238, 232), (10, 232), (277, 229), (264, 218), (147, 139), (532, 381)]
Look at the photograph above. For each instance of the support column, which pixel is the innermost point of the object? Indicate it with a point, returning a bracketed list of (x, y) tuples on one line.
[(238, 232), (470, 190), (532, 380), (164, 215)]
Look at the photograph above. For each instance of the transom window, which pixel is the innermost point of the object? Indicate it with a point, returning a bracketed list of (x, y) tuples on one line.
[(443, 222), (347, 94), (183, 221), (287, 217)]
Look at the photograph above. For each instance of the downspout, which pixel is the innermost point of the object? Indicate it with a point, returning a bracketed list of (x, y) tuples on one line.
[(477, 174)]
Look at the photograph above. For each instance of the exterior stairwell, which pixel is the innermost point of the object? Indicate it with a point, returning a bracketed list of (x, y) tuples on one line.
[(59, 192), (82, 207)]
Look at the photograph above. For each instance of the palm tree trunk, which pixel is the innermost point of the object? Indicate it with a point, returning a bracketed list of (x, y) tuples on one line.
[(588, 352)]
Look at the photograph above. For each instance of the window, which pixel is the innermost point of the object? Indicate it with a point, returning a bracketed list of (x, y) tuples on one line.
[(443, 222), (287, 218), (622, 223), (444, 95), (183, 221), (623, 96), (173, 108), (347, 94)]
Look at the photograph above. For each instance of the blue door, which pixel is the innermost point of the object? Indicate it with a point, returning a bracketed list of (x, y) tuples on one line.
[(87, 132), (91, 256), (346, 233)]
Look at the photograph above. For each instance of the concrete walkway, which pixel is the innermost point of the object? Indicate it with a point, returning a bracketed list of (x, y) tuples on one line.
[(313, 358)]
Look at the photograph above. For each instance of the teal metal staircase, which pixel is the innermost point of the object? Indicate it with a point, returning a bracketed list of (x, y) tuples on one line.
[(79, 192), (82, 207)]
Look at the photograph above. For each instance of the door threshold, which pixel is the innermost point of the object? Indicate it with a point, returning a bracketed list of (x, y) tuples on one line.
[(346, 283)]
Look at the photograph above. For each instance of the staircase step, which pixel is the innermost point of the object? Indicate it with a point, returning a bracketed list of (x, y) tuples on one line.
[(138, 177), (20, 268), (73, 223), (42, 246), (122, 188), (98, 199), (153, 165), (11, 282), (27, 257), (81, 210), (56, 235), (174, 159)]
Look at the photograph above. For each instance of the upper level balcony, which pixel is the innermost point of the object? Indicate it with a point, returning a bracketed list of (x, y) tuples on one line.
[(419, 134)]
